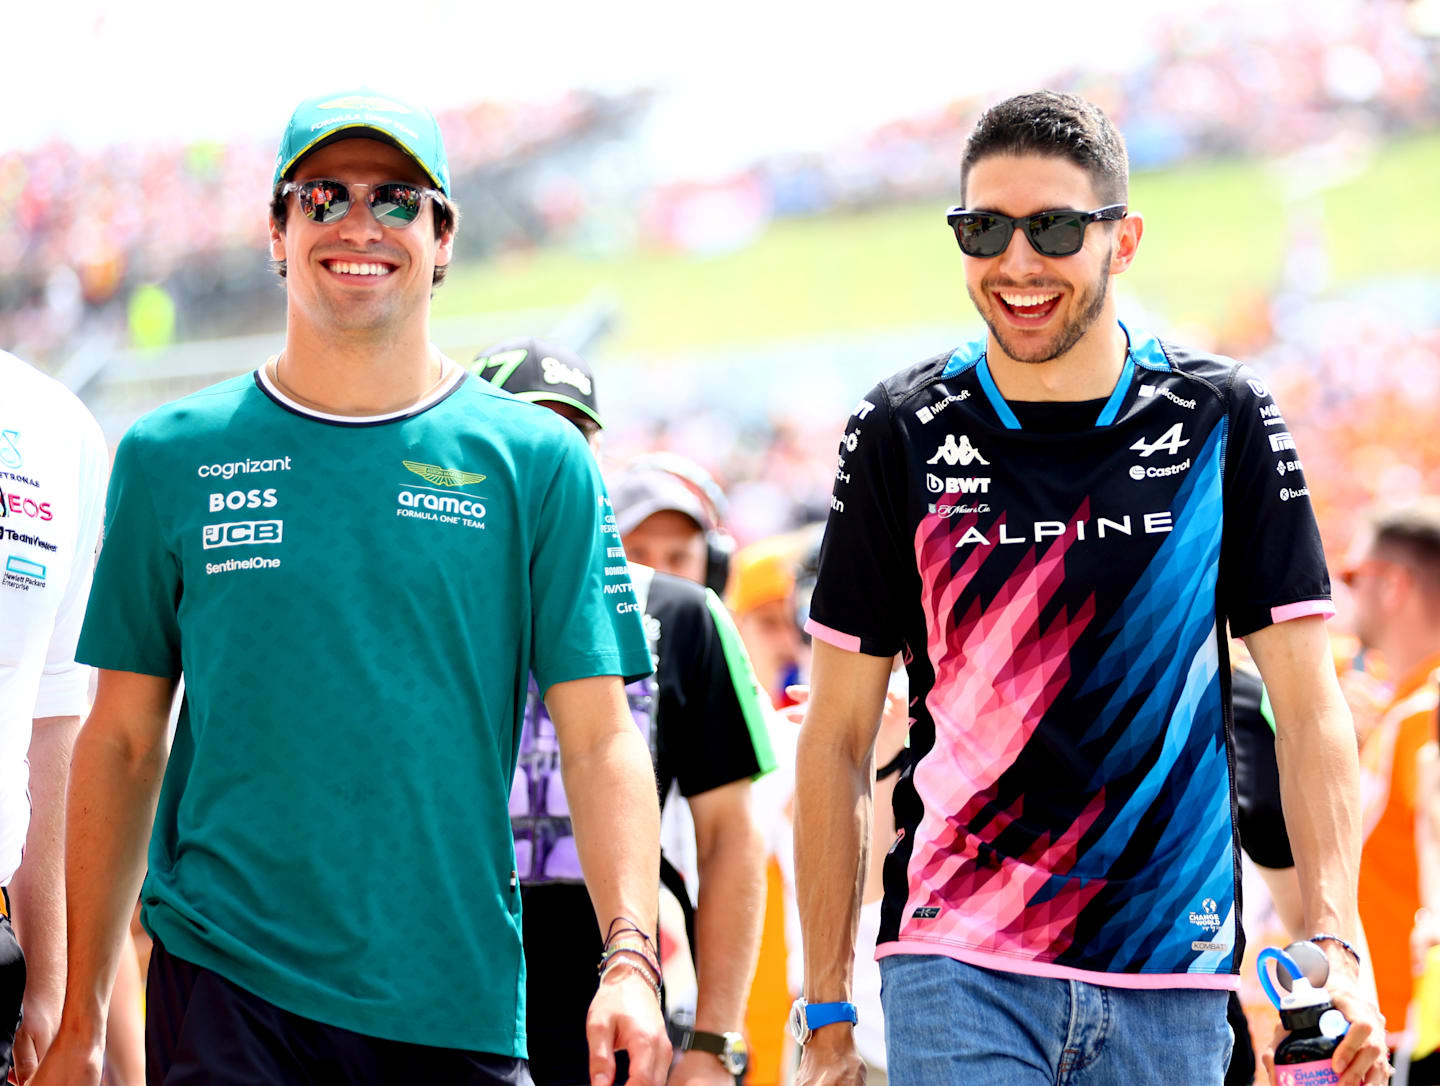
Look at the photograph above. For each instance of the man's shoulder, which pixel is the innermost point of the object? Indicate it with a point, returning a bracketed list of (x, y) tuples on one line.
[(1218, 372), (508, 418), (906, 388), (206, 411)]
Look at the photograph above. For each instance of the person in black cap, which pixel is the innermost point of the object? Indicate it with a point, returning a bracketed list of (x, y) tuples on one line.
[(706, 724)]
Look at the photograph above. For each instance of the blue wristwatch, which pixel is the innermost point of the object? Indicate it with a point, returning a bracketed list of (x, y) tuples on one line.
[(806, 1018)]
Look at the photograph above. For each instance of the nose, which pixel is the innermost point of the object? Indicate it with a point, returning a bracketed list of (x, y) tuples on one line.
[(1019, 259), (359, 227)]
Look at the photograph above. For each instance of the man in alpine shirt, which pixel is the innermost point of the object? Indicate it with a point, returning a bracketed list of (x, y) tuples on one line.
[(702, 712), (1054, 523), (331, 881), (53, 464)]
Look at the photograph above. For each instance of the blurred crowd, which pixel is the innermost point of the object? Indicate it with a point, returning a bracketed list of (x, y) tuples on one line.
[(80, 232)]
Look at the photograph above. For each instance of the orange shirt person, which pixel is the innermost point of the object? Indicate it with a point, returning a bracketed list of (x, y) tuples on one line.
[(1395, 585)]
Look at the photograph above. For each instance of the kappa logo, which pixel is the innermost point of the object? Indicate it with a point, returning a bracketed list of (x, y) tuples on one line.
[(964, 454), (1171, 441), (443, 476)]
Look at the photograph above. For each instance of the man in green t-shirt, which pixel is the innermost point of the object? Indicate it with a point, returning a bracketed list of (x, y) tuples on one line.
[(332, 885)]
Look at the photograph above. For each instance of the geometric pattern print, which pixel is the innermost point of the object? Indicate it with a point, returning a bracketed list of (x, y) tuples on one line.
[(1155, 847)]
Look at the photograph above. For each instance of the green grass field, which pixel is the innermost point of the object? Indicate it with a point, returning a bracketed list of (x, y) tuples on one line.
[(1213, 244)]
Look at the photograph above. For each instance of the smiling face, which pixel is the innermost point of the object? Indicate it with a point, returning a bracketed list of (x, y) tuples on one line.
[(1039, 307), (356, 276)]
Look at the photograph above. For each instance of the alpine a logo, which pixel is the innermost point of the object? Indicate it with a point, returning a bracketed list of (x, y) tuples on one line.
[(1171, 441), (964, 454)]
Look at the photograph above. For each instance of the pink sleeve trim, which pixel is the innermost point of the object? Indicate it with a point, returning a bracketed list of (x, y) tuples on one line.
[(1303, 609), (840, 640), (1215, 982)]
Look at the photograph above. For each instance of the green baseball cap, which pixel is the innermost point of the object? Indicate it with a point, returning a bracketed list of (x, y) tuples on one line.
[(364, 114)]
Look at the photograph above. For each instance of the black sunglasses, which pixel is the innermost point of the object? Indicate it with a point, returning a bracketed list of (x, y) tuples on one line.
[(1051, 233), (395, 204)]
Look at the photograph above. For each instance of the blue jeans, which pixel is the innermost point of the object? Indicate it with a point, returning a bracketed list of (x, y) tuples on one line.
[(948, 1022)]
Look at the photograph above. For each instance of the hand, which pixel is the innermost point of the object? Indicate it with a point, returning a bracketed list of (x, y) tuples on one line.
[(831, 1059), (1424, 937), (70, 1062), (32, 1040), (1362, 1057), (700, 1069), (625, 1014)]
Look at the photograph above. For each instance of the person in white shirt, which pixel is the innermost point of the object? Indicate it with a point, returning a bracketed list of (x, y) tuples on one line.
[(53, 469)]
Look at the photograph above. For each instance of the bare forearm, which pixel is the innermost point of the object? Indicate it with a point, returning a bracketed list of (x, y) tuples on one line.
[(616, 815), (1320, 787), (727, 924), (832, 834), (37, 892), (111, 809)]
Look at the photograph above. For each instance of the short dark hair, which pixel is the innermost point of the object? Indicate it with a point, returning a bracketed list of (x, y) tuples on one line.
[(446, 217), (1053, 123), (1410, 535)]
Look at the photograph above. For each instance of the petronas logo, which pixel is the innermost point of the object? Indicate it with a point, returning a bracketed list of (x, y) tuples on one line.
[(443, 476)]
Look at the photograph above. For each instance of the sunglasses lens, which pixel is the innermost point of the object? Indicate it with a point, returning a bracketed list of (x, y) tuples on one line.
[(396, 204), (980, 234), (1057, 233), (324, 201)]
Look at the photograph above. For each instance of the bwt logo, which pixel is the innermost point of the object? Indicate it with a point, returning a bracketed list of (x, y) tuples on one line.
[(242, 532), (972, 485)]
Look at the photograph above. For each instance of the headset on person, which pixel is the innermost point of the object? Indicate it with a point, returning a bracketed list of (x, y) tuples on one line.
[(719, 544)]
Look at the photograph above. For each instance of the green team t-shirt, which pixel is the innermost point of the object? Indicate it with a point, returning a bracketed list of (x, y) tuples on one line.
[(355, 606)]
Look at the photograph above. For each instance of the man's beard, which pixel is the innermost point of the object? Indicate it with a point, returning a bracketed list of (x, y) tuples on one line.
[(1091, 303)]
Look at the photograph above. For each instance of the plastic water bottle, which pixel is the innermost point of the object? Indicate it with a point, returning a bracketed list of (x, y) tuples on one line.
[(1315, 1026)]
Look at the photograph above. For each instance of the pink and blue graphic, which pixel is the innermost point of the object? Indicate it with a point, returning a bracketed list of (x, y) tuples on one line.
[(1076, 800)]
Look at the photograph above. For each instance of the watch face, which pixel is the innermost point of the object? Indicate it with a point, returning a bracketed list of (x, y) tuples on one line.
[(799, 1028), (736, 1056)]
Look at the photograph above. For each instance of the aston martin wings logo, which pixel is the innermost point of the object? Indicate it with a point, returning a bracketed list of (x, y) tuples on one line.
[(364, 101), (443, 476)]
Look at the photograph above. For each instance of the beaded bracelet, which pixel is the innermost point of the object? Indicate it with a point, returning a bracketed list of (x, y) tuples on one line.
[(614, 953), (1325, 936), (605, 971)]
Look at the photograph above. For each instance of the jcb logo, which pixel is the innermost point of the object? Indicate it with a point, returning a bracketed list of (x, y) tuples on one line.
[(1170, 441), (241, 532)]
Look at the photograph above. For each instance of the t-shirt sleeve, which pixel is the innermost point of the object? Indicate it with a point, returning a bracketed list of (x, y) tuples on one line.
[(132, 621), (64, 683), (1272, 566), (865, 564), (713, 720), (585, 618)]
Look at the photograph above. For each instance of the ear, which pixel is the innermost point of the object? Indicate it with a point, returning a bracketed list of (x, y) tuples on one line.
[(445, 248), (277, 242), (1127, 240)]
